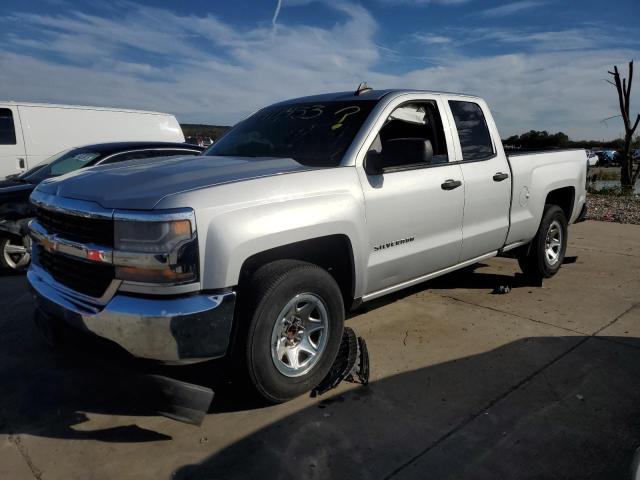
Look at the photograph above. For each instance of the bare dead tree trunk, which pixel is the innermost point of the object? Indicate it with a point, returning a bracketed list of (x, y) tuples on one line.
[(628, 177)]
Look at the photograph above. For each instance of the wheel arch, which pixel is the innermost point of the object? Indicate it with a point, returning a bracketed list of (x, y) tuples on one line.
[(333, 252), (564, 198)]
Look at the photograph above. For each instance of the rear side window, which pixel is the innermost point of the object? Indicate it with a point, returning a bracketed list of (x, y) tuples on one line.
[(473, 132), (7, 129)]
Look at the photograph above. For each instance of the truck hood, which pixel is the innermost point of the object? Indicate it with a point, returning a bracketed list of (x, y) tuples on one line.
[(141, 184)]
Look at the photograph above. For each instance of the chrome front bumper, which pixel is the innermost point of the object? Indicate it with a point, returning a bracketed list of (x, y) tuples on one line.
[(181, 329)]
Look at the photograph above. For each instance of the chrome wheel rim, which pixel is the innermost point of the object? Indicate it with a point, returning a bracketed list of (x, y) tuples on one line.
[(553, 243), (300, 334), (17, 252)]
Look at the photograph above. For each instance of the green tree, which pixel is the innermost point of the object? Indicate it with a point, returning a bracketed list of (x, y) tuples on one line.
[(539, 140)]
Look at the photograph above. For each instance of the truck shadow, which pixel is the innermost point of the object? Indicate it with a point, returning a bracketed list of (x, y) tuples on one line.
[(482, 416), (466, 278), (51, 394)]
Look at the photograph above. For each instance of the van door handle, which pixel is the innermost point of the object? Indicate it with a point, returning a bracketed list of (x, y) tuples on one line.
[(21, 163), (498, 177), (451, 184)]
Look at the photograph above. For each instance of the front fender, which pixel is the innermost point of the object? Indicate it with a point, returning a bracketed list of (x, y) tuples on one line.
[(236, 221), (236, 237)]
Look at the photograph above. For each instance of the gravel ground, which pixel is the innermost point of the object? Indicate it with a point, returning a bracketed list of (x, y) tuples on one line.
[(612, 208)]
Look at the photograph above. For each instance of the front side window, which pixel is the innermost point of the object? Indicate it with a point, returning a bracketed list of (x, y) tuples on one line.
[(7, 127), (313, 134), (473, 131), (412, 135)]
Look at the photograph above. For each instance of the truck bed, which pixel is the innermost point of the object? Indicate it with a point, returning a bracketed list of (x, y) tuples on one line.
[(534, 175)]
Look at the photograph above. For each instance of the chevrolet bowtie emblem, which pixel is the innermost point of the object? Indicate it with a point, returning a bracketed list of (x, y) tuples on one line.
[(48, 244)]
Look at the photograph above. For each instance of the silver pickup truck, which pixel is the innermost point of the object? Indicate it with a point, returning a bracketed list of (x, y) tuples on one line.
[(301, 212)]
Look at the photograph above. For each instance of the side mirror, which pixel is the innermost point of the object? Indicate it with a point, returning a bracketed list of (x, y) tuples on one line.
[(373, 163)]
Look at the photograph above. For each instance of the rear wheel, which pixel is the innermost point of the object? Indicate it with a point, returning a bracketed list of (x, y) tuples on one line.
[(545, 253), (15, 252), (295, 321)]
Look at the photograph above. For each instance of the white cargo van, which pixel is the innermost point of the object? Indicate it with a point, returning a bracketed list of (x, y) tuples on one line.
[(31, 133)]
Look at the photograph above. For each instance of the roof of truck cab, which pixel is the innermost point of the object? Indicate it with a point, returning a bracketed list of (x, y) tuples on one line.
[(369, 95), (78, 107)]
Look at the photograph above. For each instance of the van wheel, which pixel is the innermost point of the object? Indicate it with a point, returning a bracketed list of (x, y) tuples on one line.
[(295, 321), (15, 252), (545, 254)]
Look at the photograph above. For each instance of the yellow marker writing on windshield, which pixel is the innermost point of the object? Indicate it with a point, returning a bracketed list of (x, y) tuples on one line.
[(353, 109)]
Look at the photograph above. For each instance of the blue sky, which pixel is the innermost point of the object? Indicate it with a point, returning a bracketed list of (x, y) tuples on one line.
[(541, 64)]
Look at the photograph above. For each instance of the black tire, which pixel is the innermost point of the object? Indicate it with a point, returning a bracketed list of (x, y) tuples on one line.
[(269, 291), (533, 260), (3, 262)]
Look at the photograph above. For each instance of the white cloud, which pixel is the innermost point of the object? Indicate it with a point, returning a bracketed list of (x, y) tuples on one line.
[(252, 67), (205, 70), (554, 91), (532, 38), (511, 8), (431, 39)]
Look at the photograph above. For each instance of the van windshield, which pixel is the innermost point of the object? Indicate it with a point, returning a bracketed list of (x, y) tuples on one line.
[(314, 134)]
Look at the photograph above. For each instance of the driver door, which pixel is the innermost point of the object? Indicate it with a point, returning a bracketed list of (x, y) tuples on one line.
[(413, 208)]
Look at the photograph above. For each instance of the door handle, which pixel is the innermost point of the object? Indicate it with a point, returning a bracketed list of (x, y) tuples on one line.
[(21, 163), (450, 184), (498, 177)]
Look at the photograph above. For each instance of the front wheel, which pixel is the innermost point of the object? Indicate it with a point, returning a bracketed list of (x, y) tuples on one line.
[(545, 253), (295, 321)]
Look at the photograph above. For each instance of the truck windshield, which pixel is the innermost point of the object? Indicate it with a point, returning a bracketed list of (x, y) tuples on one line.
[(314, 134)]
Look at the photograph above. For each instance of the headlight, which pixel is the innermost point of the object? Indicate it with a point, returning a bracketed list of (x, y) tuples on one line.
[(156, 252), (151, 237)]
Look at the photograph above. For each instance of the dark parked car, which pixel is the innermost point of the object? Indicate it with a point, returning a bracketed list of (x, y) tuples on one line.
[(16, 211), (608, 158)]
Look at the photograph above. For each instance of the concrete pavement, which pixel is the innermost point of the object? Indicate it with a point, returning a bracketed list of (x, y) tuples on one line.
[(539, 383)]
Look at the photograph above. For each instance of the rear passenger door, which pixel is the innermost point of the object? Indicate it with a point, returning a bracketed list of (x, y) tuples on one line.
[(12, 153), (487, 177)]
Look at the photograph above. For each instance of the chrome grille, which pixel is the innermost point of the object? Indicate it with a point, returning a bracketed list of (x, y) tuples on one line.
[(77, 228)]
